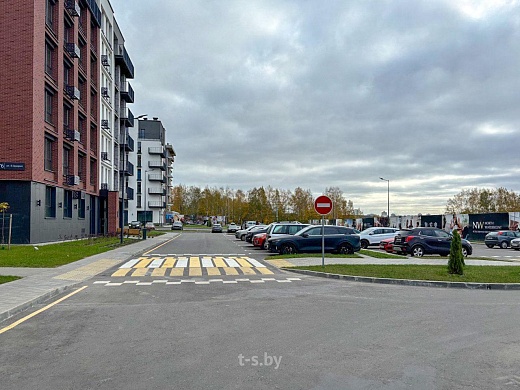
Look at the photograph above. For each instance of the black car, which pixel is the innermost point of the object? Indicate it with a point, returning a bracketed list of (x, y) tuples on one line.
[(253, 232), (501, 238), (427, 240), (135, 225), (338, 239)]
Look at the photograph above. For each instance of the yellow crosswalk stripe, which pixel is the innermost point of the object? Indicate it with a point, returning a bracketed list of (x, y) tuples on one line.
[(213, 271), (140, 272), (265, 271), (230, 271), (177, 272), (195, 271), (143, 263), (248, 271), (121, 272), (243, 262), (219, 262), (194, 262), (169, 262), (159, 272)]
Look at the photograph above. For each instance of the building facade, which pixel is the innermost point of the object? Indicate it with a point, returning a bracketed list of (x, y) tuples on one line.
[(54, 80), (153, 179)]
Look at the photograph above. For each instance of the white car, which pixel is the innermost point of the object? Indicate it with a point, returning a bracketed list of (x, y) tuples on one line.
[(374, 235), (515, 244)]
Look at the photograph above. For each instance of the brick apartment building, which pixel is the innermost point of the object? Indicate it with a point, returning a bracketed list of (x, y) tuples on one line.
[(51, 124)]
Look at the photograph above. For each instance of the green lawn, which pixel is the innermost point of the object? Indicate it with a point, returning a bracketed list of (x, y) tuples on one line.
[(479, 274), (54, 255), (5, 279)]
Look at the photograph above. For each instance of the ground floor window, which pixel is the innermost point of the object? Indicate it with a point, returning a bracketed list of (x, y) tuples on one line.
[(50, 202)]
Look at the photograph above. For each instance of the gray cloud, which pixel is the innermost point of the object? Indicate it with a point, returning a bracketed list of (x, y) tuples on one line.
[(318, 94)]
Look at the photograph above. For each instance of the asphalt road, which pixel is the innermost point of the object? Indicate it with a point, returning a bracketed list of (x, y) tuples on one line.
[(261, 331)]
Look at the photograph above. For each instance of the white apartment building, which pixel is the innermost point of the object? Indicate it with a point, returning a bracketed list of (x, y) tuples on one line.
[(153, 179)]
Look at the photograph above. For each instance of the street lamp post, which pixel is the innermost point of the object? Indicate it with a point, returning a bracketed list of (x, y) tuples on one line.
[(388, 195)]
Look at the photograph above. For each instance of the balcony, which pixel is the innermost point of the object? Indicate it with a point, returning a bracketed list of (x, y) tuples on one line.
[(159, 150), (156, 177), (123, 60), (127, 93), (126, 116), (129, 144), (157, 191), (157, 204), (128, 170), (129, 193), (73, 7), (157, 164), (73, 50), (95, 11)]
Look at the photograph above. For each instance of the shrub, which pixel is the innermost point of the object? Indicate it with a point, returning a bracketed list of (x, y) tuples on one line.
[(456, 260)]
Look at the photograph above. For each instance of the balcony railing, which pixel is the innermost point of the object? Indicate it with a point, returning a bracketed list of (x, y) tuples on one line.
[(127, 93), (123, 60), (128, 170), (156, 177), (126, 116), (128, 144), (157, 204), (157, 150), (157, 191), (157, 164)]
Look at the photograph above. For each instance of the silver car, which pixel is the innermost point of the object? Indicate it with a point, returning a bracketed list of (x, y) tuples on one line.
[(515, 244)]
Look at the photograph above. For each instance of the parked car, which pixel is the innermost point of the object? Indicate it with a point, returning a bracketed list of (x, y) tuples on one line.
[(177, 225), (135, 225), (387, 245), (252, 232), (216, 228), (374, 235), (241, 234), (149, 226), (515, 244), (232, 227), (283, 228), (338, 239), (259, 240), (420, 241), (501, 238)]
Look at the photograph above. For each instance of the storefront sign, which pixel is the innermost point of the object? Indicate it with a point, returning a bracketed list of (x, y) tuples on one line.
[(12, 166)]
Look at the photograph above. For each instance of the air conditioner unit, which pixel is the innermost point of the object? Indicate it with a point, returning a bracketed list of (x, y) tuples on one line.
[(73, 135), (72, 180), (73, 92), (105, 60), (104, 124), (73, 50), (104, 92), (73, 7)]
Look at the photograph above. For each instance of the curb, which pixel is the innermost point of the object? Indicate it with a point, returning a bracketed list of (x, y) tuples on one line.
[(409, 282), (40, 299)]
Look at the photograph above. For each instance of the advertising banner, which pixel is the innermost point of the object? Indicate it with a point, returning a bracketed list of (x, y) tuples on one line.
[(482, 224), (431, 221)]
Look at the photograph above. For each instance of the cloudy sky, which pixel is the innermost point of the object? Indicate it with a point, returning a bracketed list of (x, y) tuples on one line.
[(315, 94)]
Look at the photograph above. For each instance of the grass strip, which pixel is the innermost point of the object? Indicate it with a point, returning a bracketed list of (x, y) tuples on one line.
[(54, 255), (477, 274), (6, 279), (306, 255)]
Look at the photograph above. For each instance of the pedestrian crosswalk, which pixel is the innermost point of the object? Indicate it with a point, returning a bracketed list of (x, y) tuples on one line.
[(196, 265)]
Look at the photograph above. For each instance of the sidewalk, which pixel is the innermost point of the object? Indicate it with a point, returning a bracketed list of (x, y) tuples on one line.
[(40, 284)]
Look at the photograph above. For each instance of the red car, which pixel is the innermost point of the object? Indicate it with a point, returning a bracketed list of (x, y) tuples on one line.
[(259, 240), (387, 244)]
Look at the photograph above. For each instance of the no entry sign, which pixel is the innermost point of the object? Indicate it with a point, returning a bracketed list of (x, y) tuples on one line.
[(323, 205)]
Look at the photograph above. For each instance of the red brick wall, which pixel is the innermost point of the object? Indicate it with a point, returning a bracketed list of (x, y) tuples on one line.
[(113, 211)]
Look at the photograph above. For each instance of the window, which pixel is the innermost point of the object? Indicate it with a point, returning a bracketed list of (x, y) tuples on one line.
[(49, 59), (68, 35), (49, 101), (67, 113), (50, 202), (81, 167), (138, 174), (139, 187), (67, 204), (81, 208), (139, 164), (142, 134), (48, 154), (49, 13), (66, 74), (314, 231), (82, 129), (66, 159), (139, 147), (92, 172)]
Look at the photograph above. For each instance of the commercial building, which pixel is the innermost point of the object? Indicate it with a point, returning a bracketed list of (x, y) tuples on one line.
[(64, 78)]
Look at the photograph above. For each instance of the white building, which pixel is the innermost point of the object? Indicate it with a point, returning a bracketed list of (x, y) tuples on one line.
[(153, 161)]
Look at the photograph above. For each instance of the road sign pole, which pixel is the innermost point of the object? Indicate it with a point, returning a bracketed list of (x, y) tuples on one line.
[(322, 241)]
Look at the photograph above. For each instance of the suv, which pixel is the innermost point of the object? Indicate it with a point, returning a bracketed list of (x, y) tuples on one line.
[(134, 225), (374, 235), (337, 239), (427, 240), (502, 238)]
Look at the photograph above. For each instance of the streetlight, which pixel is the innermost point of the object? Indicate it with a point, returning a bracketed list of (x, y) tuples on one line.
[(388, 209)]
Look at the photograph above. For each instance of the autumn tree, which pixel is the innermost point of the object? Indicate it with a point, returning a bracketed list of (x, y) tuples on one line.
[(475, 201)]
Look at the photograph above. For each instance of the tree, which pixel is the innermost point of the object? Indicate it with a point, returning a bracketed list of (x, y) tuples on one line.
[(456, 260), (3, 208), (475, 201)]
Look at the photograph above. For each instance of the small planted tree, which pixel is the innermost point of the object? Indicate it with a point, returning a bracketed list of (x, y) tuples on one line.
[(456, 260), (3, 208)]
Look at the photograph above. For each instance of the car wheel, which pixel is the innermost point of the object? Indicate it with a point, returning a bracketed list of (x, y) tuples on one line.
[(418, 251), (364, 244), (346, 249), (243, 237), (490, 245), (262, 246), (503, 245), (464, 251), (288, 249)]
